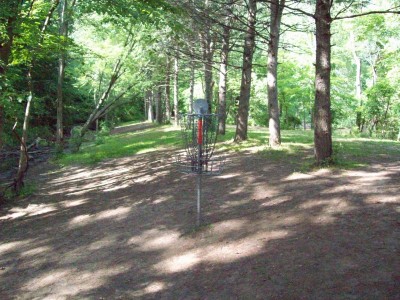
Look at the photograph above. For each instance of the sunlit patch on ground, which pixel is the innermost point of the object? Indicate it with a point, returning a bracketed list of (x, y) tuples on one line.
[(30, 210)]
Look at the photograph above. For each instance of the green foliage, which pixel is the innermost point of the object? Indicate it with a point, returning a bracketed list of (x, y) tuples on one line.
[(76, 139), (28, 189), (378, 109), (295, 94), (105, 129)]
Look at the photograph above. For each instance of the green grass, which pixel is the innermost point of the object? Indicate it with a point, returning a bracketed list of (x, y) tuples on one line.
[(125, 144), (29, 188), (296, 148)]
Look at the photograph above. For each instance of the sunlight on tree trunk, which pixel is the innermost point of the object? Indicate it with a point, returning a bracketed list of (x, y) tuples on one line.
[(159, 114), (168, 90), (272, 72), (357, 62), (208, 53), (223, 73), (176, 73), (191, 84), (150, 113), (61, 73), (322, 118), (23, 158)]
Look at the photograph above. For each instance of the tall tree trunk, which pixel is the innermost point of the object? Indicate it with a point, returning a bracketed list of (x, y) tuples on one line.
[(61, 72), (23, 157), (322, 118), (150, 114), (168, 91), (208, 76), (223, 72), (191, 85), (273, 46), (176, 73), (357, 62), (159, 114), (245, 87), (208, 53)]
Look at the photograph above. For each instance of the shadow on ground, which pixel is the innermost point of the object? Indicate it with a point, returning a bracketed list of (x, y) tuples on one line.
[(125, 229)]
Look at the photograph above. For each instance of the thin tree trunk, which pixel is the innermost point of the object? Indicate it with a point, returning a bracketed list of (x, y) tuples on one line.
[(245, 87), (176, 73), (159, 115), (304, 116), (374, 74), (145, 99), (61, 73), (150, 114), (23, 157), (357, 62), (208, 52), (168, 91), (273, 46), (23, 160), (208, 76), (191, 84), (223, 72), (322, 118)]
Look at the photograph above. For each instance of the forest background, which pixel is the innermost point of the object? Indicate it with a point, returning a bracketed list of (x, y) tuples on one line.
[(70, 66)]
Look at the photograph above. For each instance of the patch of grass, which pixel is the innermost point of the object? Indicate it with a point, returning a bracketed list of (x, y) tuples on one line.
[(124, 144), (29, 188), (256, 138), (357, 152)]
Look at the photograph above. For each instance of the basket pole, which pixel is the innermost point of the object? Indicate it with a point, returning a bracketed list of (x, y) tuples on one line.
[(198, 200)]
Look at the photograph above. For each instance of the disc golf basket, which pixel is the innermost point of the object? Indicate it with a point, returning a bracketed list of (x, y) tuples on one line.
[(199, 134)]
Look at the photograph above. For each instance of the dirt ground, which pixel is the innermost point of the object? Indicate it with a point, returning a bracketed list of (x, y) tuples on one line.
[(125, 229)]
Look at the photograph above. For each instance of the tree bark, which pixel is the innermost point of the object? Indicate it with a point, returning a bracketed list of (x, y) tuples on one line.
[(322, 118), (176, 72), (168, 91), (208, 53), (357, 62), (61, 72), (223, 72), (23, 157), (272, 72), (150, 114), (245, 87), (191, 85), (159, 114)]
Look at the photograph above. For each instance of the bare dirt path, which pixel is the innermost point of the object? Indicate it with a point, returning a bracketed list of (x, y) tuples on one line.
[(124, 229)]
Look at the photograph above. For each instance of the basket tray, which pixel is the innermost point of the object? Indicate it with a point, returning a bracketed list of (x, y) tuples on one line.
[(208, 167)]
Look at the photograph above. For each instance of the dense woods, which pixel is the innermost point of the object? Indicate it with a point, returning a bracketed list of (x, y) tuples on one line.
[(69, 66)]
